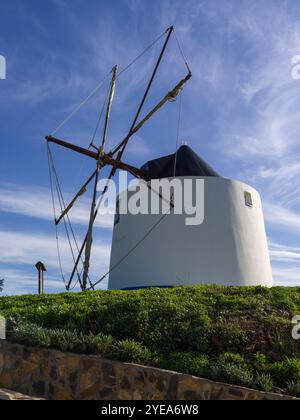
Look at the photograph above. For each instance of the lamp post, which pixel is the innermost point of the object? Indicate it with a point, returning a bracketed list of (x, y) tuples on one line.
[(41, 269)]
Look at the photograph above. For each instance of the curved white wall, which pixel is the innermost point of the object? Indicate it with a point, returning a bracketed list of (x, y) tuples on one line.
[(229, 248)]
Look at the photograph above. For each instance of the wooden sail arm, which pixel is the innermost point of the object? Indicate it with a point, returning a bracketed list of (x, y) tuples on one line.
[(104, 160), (138, 173), (169, 32), (116, 164), (81, 192), (169, 97), (110, 101), (123, 145), (100, 165), (73, 147)]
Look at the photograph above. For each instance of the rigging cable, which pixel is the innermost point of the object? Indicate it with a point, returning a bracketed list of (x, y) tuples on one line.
[(163, 216), (91, 145), (54, 212), (60, 200), (143, 53), (180, 100), (63, 206), (99, 120), (59, 192), (132, 249), (78, 108), (181, 50), (98, 87), (178, 132), (175, 166)]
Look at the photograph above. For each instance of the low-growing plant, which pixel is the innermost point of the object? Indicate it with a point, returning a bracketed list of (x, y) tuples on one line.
[(235, 374), (232, 334), (232, 358), (190, 363), (260, 362), (30, 334), (263, 382), (286, 372), (130, 350), (294, 389)]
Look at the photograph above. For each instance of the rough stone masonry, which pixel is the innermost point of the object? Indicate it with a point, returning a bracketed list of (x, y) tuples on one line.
[(54, 375)]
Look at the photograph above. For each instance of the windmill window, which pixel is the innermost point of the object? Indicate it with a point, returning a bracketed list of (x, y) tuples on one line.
[(248, 199)]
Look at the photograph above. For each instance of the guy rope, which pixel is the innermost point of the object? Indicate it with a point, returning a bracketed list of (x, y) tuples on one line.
[(81, 255)]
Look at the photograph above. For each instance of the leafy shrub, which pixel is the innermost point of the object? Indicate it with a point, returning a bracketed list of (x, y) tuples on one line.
[(233, 374), (294, 389), (263, 382), (129, 350), (232, 358), (260, 362), (286, 372), (234, 334), (190, 363), (71, 341), (33, 335), (100, 344)]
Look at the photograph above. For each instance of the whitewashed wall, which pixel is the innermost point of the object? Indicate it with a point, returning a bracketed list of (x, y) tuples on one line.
[(229, 248)]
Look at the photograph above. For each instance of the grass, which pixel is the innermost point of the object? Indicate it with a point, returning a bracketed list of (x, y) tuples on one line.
[(237, 335)]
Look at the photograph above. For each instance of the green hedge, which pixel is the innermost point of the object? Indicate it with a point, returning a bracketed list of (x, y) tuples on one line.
[(237, 335)]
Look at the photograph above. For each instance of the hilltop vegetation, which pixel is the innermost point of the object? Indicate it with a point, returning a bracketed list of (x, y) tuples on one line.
[(238, 335)]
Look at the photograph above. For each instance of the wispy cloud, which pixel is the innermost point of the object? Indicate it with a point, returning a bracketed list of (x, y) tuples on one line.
[(36, 202), (25, 248), (242, 100), (20, 282), (284, 253), (19, 252), (282, 218), (286, 276), (286, 264)]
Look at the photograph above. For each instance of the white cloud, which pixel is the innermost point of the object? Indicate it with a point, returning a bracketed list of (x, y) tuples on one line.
[(285, 264), (256, 102), (20, 281), (284, 253), (36, 202), (281, 217), (21, 250), (24, 248), (261, 84), (280, 182), (137, 147), (286, 276)]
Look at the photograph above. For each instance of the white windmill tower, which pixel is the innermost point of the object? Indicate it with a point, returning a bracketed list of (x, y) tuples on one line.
[(81, 253), (228, 248)]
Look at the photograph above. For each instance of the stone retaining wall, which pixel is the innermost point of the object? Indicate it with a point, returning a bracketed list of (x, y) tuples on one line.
[(63, 376), (7, 395)]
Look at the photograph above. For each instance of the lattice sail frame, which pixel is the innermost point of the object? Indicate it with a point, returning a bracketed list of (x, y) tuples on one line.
[(113, 159)]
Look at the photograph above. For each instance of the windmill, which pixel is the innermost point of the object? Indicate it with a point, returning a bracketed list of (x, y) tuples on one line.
[(103, 159)]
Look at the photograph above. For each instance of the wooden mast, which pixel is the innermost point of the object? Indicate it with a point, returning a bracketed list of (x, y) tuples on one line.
[(89, 239), (104, 159)]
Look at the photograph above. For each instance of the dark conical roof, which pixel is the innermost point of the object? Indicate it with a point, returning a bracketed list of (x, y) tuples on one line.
[(188, 163)]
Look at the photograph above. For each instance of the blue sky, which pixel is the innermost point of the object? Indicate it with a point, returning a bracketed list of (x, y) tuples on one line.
[(241, 111)]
